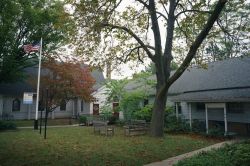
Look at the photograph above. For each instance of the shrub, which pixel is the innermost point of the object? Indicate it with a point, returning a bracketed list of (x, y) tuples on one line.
[(172, 124), (198, 126), (145, 113), (231, 155), (112, 120), (215, 132), (131, 103), (120, 122), (240, 154), (7, 125), (83, 119)]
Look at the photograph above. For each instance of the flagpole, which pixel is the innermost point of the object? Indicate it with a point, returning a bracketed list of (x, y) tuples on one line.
[(38, 85)]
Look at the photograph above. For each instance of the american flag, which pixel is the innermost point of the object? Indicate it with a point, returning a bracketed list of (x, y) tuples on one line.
[(31, 47)]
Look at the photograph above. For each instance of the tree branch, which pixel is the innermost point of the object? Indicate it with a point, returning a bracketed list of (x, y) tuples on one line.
[(128, 52), (164, 7), (144, 3), (193, 10), (199, 39), (161, 14), (145, 47), (155, 28)]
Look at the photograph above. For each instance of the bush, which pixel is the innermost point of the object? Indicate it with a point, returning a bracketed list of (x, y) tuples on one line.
[(145, 113), (240, 154), (131, 103), (7, 125), (215, 132), (231, 155), (198, 126), (120, 122), (83, 119), (174, 125), (112, 120)]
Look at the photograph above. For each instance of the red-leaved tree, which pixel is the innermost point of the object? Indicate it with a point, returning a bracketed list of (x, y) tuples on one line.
[(61, 82), (64, 81)]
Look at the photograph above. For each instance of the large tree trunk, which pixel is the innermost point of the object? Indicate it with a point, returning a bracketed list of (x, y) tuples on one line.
[(157, 120)]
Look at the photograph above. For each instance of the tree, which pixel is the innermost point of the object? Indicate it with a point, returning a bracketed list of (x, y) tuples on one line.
[(61, 82), (115, 89), (65, 81), (228, 38), (101, 22), (24, 22)]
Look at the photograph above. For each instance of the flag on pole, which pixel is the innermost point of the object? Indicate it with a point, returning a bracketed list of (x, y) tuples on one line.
[(28, 48)]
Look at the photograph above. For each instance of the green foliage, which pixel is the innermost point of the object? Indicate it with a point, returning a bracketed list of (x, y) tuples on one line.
[(106, 112), (216, 132), (231, 155), (128, 24), (115, 89), (227, 39), (174, 125), (240, 154), (112, 120), (83, 119), (145, 113), (198, 126), (131, 103), (24, 22), (7, 125)]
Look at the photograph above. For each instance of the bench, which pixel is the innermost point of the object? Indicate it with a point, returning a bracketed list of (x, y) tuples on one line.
[(136, 127), (101, 127)]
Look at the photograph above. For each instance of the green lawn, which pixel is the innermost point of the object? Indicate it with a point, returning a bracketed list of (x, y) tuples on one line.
[(79, 146), (51, 122)]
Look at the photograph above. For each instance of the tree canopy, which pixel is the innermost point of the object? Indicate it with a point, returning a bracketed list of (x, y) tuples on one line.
[(64, 81), (123, 30), (24, 22)]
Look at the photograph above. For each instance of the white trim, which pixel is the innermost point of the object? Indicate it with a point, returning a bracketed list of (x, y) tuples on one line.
[(206, 118), (225, 119), (215, 105), (190, 115)]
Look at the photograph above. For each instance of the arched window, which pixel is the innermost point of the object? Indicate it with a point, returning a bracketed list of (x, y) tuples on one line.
[(63, 105), (16, 105)]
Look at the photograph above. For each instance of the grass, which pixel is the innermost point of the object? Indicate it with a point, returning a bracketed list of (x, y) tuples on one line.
[(80, 146), (51, 122)]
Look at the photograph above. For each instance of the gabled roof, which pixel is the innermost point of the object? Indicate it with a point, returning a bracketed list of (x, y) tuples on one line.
[(20, 87), (227, 80)]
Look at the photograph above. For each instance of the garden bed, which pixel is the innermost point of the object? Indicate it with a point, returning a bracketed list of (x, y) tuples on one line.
[(237, 154)]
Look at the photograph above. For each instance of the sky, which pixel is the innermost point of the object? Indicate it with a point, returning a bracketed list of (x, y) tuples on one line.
[(127, 70)]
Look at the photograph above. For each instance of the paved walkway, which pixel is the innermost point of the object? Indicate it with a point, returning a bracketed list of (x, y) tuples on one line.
[(31, 127), (173, 160)]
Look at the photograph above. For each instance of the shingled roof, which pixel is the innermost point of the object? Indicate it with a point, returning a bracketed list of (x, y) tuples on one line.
[(227, 80), (18, 88)]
